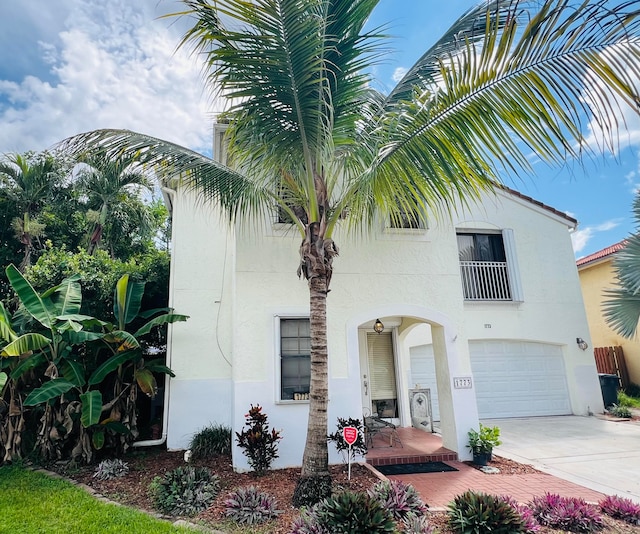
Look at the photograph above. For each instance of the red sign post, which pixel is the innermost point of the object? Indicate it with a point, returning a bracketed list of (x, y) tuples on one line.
[(350, 435)]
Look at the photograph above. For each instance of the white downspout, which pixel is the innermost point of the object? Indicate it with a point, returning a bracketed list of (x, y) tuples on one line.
[(169, 195)]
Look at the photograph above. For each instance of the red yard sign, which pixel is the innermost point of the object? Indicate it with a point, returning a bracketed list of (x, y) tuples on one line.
[(350, 434)]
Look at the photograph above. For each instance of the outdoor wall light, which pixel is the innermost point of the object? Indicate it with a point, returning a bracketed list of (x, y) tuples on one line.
[(378, 326), (582, 343)]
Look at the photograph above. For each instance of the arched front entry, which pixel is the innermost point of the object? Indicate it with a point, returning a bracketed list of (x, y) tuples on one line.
[(383, 365)]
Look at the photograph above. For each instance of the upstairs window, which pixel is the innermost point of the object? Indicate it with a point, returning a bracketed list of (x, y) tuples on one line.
[(483, 267), (407, 220)]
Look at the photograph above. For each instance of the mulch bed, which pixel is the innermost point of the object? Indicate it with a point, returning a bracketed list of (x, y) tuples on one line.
[(144, 465)]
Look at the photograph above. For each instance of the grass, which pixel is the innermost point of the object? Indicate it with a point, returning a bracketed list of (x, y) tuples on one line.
[(34, 502)]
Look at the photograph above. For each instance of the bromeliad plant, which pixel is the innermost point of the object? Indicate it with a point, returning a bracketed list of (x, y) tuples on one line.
[(72, 379)]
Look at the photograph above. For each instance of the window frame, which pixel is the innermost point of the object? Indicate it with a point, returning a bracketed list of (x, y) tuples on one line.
[(279, 358), (511, 261)]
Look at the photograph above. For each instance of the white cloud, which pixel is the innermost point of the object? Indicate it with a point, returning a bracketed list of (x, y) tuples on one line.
[(580, 238), (399, 73), (115, 67)]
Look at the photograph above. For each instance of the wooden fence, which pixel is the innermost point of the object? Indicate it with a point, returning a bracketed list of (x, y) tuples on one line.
[(610, 360)]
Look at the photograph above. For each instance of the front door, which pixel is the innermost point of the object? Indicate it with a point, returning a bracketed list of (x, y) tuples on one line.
[(379, 393)]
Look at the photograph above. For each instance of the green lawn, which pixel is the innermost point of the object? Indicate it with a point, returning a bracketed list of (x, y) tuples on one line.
[(35, 503)]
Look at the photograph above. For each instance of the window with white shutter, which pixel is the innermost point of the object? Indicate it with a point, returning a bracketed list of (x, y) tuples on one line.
[(382, 373)]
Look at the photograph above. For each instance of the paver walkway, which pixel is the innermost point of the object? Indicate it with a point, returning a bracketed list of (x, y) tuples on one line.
[(438, 489)]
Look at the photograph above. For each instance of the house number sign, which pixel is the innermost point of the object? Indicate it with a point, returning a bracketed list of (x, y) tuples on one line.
[(462, 382)]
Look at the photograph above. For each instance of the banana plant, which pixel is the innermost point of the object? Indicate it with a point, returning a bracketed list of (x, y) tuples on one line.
[(74, 367)]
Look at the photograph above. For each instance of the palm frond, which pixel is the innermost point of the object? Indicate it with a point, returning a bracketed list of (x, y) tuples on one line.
[(293, 73), (230, 190), (480, 103), (622, 311)]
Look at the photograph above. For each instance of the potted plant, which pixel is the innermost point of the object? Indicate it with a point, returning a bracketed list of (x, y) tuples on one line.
[(482, 442)]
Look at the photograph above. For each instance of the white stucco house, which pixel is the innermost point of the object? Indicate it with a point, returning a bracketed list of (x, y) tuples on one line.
[(483, 309)]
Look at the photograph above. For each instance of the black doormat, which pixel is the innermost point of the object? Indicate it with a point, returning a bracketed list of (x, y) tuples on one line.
[(406, 469)]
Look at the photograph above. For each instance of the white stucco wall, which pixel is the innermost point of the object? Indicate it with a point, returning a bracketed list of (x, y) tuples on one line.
[(235, 288), (200, 349)]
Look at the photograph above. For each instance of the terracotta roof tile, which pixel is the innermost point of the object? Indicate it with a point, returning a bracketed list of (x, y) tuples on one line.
[(562, 214), (601, 254)]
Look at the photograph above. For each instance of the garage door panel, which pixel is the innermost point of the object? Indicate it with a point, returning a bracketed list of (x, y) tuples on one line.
[(519, 379)]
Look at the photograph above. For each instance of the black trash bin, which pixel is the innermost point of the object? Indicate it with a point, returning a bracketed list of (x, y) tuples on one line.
[(609, 387)]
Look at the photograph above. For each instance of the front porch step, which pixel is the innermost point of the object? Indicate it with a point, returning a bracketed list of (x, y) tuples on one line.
[(414, 446)]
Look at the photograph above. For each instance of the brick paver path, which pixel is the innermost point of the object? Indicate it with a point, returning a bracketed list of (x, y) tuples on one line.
[(438, 489)]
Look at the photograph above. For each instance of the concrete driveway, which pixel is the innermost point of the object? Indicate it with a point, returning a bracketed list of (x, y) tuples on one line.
[(599, 454)]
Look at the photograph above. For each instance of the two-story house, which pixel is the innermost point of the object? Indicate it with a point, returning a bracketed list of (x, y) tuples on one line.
[(484, 309)]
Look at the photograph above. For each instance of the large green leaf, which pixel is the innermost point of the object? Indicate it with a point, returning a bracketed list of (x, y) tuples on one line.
[(116, 426), (124, 340), (76, 338), (127, 300), (111, 365), (73, 372), (146, 381), (158, 366), (6, 330), (48, 391), (29, 297), (98, 439), (159, 321), (91, 408), (28, 363), (24, 344), (67, 297), (3, 380)]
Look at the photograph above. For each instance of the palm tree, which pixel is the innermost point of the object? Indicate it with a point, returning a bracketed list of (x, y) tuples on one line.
[(622, 310), (108, 182), (308, 133), (27, 181)]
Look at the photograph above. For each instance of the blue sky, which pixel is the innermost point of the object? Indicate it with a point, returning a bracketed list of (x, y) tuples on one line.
[(68, 66)]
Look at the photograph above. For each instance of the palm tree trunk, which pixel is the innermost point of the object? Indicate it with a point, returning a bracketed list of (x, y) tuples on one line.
[(316, 256)]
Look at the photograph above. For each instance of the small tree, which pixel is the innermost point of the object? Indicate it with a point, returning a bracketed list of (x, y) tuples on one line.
[(260, 445)]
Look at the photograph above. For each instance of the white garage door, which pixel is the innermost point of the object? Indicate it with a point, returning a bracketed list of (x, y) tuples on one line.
[(519, 379)]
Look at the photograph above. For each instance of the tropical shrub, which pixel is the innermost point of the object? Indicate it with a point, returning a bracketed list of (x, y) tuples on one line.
[(621, 508), (530, 523), (416, 524), (308, 522), (350, 512), (483, 441), (184, 491), (566, 513), (73, 379), (213, 440), (250, 506), (477, 513), (259, 444), (619, 411), (108, 469), (359, 447), (398, 498)]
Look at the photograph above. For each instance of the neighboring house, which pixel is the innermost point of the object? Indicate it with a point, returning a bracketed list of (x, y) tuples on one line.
[(597, 275), (484, 308)]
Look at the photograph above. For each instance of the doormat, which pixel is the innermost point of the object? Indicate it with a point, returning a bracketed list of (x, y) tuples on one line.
[(407, 469)]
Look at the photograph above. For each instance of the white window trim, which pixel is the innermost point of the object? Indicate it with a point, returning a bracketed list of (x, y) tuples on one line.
[(513, 269), (277, 357)]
